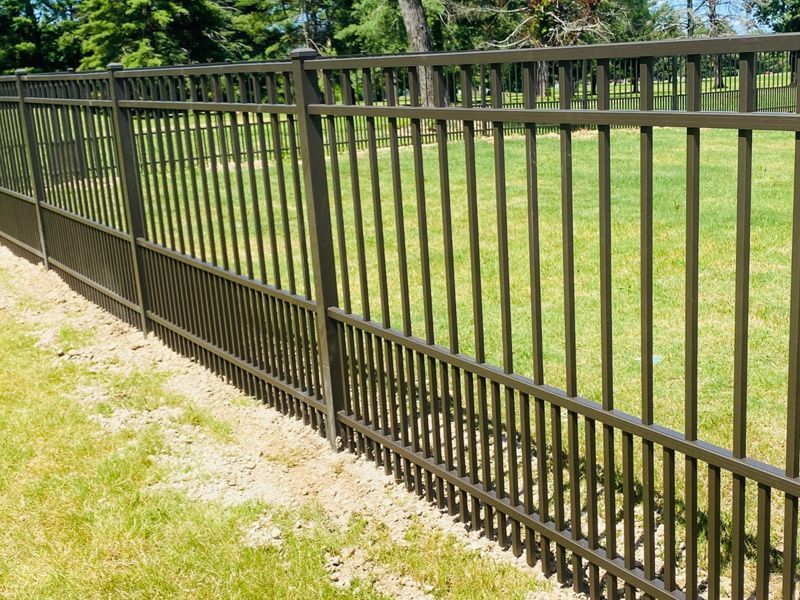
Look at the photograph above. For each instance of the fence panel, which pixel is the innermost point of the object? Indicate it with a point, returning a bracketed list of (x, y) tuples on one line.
[(17, 204), (431, 321), (224, 237)]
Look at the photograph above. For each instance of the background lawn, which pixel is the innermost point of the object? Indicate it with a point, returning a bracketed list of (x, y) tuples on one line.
[(770, 265)]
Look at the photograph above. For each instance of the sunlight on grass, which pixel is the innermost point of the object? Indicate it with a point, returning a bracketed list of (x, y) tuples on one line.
[(439, 560), (77, 518), (80, 516), (71, 338)]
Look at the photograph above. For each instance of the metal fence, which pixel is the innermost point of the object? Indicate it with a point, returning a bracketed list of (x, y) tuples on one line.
[(206, 204)]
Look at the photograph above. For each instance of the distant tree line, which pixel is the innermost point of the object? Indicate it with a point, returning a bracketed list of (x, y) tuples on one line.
[(50, 35)]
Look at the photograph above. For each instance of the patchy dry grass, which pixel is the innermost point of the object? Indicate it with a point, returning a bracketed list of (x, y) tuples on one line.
[(77, 518), (87, 512)]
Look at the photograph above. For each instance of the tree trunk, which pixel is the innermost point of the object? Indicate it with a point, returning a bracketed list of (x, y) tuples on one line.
[(419, 40), (719, 81), (37, 59), (713, 22), (543, 77)]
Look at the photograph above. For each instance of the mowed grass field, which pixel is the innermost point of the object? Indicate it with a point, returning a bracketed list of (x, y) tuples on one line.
[(772, 169), (770, 268)]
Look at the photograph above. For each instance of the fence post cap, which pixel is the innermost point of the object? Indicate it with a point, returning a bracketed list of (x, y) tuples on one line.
[(301, 53), (115, 66), (20, 72)]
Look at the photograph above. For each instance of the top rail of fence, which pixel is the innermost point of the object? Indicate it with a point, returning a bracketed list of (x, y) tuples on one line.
[(630, 50), (652, 49), (209, 69)]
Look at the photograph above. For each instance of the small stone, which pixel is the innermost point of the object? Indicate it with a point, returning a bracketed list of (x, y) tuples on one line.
[(275, 533)]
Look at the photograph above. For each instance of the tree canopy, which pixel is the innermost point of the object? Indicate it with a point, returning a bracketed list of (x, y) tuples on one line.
[(780, 15), (48, 35)]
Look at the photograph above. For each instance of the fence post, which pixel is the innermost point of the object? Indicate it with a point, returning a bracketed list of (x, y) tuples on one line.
[(34, 162), (126, 166), (312, 150)]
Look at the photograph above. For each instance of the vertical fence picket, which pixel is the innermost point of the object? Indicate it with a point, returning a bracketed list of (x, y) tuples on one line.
[(744, 181), (568, 267), (476, 420), (693, 82), (646, 309), (792, 466), (604, 159)]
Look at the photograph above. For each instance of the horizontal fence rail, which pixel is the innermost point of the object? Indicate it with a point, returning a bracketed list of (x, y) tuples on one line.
[(443, 261)]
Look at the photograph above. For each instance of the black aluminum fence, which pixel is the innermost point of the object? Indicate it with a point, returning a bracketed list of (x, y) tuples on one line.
[(249, 215)]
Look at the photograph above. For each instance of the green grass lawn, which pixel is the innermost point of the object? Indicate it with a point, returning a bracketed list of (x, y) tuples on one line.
[(771, 227)]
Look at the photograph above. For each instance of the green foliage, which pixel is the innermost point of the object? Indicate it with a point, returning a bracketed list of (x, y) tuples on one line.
[(779, 15), (271, 28), (38, 35), (146, 33), (52, 35), (378, 25)]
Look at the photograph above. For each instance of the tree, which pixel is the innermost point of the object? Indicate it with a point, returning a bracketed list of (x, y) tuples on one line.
[(38, 35), (377, 27), (520, 23), (417, 30), (142, 33), (272, 28), (780, 15), (395, 26), (419, 40)]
